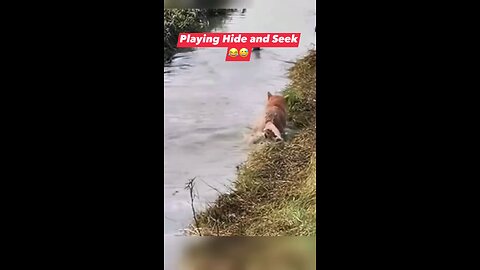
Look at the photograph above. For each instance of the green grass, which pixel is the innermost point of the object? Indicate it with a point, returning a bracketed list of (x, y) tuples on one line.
[(275, 190)]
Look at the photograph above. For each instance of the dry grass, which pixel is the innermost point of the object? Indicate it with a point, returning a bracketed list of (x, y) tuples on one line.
[(301, 94), (275, 192)]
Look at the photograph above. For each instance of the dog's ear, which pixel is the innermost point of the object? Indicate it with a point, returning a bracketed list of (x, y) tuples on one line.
[(269, 95)]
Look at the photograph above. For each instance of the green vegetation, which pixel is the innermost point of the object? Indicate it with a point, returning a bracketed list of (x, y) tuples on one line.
[(186, 20), (275, 191)]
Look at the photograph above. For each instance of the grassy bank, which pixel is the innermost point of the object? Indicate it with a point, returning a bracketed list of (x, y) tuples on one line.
[(275, 191), (186, 20)]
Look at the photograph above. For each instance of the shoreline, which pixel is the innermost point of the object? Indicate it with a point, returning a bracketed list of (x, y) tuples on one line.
[(275, 190)]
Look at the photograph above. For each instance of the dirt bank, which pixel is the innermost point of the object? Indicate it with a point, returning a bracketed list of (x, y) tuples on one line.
[(275, 191)]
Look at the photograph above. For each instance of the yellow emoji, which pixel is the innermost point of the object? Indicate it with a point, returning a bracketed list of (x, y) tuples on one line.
[(243, 52), (233, 52)]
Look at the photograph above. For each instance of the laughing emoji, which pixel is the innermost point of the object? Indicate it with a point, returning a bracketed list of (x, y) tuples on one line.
[(243, 52), (233, 52)]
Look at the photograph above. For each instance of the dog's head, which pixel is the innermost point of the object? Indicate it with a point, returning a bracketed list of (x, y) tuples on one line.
[(277, 100)]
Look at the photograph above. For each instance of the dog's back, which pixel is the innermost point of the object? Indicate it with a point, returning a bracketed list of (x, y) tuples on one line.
[(276, 114), (273, 122), (276, 111)]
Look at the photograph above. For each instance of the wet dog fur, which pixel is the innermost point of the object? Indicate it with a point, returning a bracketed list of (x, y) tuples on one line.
[(273, 122), (275, 117)]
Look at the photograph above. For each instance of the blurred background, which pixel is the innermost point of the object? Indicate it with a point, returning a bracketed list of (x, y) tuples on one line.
[(253, 253), (207, 3)]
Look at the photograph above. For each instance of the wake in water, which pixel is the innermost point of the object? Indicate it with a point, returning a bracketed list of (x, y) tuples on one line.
[(255, 134)]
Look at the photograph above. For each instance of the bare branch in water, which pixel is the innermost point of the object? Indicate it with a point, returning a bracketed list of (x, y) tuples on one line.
[(190, 187)]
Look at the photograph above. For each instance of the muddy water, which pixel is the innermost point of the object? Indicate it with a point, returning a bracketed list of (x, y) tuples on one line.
[(210, 104)]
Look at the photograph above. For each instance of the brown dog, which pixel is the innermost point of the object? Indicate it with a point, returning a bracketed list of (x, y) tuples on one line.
[(275, 117)]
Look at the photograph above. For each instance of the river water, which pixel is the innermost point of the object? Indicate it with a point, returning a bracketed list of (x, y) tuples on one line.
[(211, 103)]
